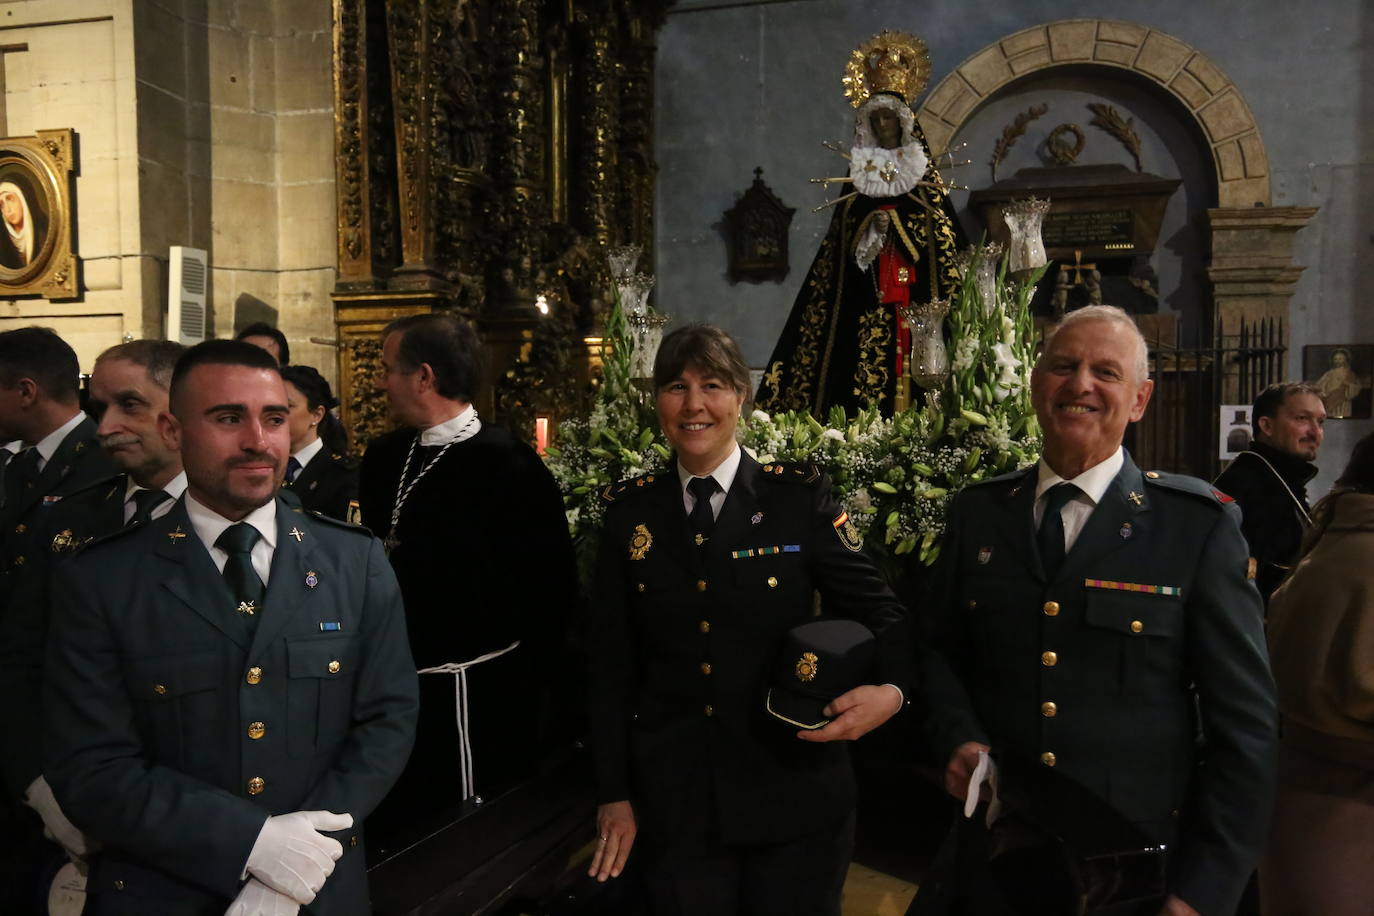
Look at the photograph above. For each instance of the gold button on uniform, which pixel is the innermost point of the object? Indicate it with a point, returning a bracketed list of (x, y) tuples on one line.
[(972, 605), (254, 675), (1051, 609), (1153, 475), (1048, 759), (256, 730), (772, 581), (1049, 659), (20, 528), (710, 710), (1137, 626), (119, 884), (1049, 710), (701, 585), (704, 626), (19, 561), (159, 689), (705, 667), (256, 785), (640, 586), (334, 666)]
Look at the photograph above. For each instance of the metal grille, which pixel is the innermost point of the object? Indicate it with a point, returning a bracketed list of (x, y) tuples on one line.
[(1179, 432)]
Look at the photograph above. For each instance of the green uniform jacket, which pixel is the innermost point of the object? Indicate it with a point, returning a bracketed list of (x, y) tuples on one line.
[(174, 729), (685, 642), (1111, 686), (61, 530), (78, 462)]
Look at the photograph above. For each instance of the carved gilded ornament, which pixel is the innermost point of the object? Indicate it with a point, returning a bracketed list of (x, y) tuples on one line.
[(888, 62)]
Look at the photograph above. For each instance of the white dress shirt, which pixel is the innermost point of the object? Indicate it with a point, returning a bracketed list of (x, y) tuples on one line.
[(50, 443), (1092, 484), (209, 525), (174, 488), (307, 452)]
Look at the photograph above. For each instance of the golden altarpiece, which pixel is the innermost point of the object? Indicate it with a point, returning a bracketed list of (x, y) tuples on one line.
[(486, 153)]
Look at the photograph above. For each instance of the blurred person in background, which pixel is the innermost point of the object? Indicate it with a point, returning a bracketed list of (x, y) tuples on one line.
[(1321, 646), (320, 470)]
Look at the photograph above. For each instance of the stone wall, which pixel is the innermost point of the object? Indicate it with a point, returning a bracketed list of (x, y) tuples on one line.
[(206, 123), (746, 84)]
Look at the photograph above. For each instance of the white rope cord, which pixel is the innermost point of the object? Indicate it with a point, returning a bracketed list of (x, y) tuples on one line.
[(459, 670)]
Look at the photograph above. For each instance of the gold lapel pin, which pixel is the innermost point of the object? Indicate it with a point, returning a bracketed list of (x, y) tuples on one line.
[(1134, 497), (176, 534), (296, 533)]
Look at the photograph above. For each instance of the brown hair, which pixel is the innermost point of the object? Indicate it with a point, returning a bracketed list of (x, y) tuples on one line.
[(707, 349)]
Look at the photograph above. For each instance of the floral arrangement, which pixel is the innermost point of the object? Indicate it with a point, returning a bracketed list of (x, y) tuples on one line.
[(895, 476)]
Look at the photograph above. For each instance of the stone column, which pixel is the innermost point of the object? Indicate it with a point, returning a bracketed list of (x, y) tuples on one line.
[(1252, 267)]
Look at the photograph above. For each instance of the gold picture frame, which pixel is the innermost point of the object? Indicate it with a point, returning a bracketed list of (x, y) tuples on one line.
[(37, 223)]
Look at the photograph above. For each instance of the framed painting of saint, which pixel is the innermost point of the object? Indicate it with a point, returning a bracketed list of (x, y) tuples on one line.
[(36, 216), (1341, 373)]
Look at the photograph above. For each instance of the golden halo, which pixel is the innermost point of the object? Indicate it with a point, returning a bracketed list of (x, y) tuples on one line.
[(888, 62)]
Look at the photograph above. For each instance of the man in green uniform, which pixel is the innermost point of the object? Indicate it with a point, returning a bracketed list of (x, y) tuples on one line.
[(1096, 627), (230, 691), (128, 393)]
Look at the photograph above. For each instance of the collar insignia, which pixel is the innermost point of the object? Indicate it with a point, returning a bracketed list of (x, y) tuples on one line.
[(296, 533)]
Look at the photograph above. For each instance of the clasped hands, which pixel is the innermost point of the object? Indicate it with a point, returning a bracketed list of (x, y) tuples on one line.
[(289, 863)]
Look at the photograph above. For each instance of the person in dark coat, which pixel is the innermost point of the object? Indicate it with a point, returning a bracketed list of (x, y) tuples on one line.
[(320, 470), (128, 392), (1269, 479), (467, 512), (229, 687), (1098, 621), (702, 571), (59, 456)]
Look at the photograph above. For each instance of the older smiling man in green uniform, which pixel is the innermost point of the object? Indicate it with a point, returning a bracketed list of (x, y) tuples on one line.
[(1095, 620), (230, 690)]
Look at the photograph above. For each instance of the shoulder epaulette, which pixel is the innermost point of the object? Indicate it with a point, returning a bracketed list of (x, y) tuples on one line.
[(1009, 477), (1182, 483), (331, 520), (806, 474), (618, 490), (345, 461), (66, 543)]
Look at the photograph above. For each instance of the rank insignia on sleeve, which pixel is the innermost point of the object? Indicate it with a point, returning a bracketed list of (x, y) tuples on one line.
[(849, 535), (640, 542)]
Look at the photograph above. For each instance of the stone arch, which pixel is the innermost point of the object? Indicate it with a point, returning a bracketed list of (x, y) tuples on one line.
[(1226, 122)]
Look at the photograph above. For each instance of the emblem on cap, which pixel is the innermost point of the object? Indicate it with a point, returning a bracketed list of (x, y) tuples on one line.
[(640, 542), (807, 666)]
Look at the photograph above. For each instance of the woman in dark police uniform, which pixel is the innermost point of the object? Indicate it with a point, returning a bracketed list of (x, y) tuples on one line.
[(703, 569), (319, 471)]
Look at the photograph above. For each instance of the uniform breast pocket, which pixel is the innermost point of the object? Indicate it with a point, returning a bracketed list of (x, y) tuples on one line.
[(319, 697), (178, 706), (1145, 631)]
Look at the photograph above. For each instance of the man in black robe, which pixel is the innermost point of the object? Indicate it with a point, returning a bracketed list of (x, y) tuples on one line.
[(476, 532)]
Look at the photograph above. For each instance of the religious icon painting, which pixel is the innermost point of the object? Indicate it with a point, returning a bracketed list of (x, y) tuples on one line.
[(1342, 374), (36, 256)]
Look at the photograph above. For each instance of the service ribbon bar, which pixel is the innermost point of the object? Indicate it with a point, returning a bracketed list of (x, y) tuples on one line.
[(763, 551), (1134, 587)]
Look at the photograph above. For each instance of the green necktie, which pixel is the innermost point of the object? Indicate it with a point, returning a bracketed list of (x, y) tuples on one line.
[(1051, 535), (237, 541)]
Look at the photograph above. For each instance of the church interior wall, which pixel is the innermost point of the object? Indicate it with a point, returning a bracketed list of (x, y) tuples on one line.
[(206, 123), (746, 84)]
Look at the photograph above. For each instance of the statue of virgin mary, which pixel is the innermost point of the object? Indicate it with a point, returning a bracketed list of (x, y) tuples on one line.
[(891, 242)]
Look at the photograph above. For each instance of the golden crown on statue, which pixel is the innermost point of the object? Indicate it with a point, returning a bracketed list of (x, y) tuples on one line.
[(888, 62)]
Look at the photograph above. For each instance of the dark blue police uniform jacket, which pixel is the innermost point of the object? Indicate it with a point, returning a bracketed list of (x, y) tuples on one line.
[(1149, 635), (174, 729), (685, 641)]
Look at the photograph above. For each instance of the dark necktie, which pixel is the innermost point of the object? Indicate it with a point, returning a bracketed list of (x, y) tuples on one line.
[(1052, 526), (237, 541), (145, 501), (21, 474), (702, 519), (293, 467)]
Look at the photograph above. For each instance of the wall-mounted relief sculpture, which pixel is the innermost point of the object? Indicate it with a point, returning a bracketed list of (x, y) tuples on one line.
[(37, 216), (756, 227)]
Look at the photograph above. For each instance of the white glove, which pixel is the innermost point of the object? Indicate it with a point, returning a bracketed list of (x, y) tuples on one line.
[(56, 827), (292, 857), (257, 899)]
